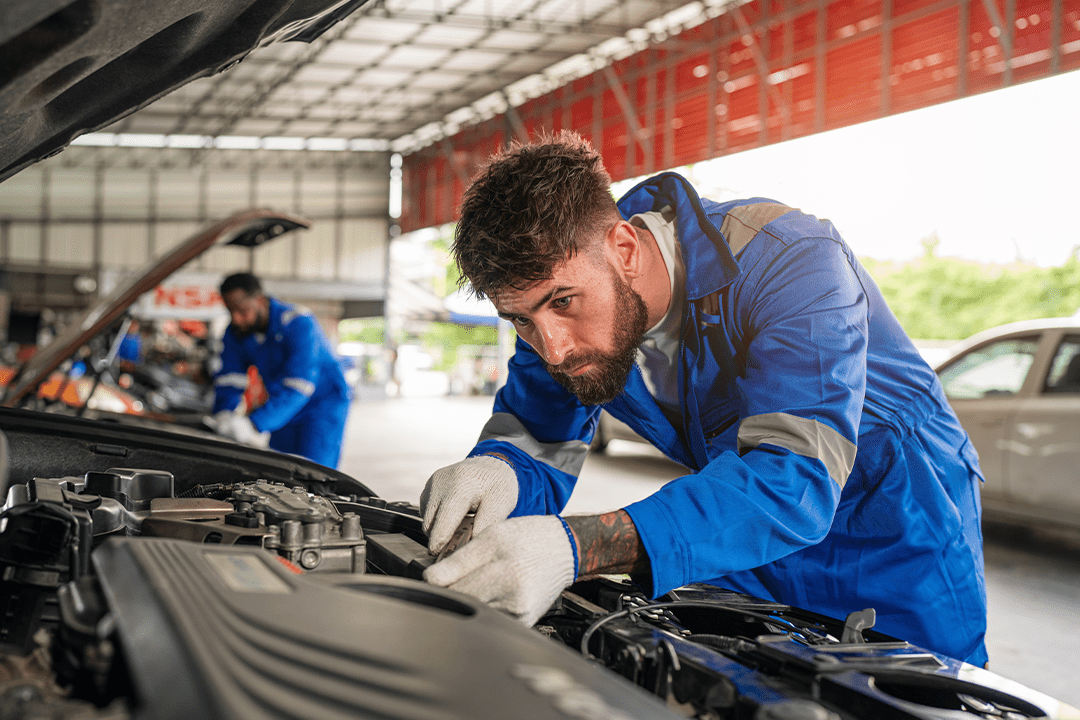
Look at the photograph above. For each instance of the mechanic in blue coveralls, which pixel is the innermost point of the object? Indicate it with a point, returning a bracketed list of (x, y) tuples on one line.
[(308, 395), (744, 340)]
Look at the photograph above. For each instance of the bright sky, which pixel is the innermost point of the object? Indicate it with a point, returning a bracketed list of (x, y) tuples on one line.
[(997, 176)]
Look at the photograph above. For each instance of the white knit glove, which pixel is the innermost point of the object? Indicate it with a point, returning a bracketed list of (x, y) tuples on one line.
[(481, 483), (518, 565), (221, 416), (240, 428)]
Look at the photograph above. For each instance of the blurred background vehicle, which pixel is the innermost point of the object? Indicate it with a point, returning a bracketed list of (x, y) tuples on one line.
[(1016, 390)]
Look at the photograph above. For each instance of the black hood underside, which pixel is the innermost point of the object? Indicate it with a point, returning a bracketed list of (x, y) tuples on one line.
[(69, 67)]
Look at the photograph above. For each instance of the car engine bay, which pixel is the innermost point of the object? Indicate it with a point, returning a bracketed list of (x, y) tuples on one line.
[(241, 585)]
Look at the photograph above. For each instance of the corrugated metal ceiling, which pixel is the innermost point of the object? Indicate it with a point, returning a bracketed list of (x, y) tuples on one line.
[(405, 72)]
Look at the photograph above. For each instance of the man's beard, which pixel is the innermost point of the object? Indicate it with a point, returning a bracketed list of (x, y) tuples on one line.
[(259, 325), (606, 379)]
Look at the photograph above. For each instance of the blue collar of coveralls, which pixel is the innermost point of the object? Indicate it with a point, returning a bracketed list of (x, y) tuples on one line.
[(709, 263), (276, 309)]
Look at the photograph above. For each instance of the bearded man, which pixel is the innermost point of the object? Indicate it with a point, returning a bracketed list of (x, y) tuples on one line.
[(745, 341)]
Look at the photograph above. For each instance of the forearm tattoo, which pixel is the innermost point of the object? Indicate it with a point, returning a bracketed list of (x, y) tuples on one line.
[(608, 544)]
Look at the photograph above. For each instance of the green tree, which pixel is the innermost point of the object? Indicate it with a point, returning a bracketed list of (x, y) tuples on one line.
[(443, 339), (950, 299), (365, 330)]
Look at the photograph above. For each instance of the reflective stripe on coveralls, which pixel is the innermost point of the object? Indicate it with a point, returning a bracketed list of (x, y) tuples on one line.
[(742, 224), (567, 457), (300, 385), (802, 436), (236, 380)]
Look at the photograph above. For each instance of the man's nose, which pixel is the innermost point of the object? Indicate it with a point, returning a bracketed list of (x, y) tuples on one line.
[(557, 343)]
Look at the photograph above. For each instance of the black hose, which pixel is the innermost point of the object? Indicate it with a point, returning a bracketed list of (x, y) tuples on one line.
[(626, 612), (217, 491)]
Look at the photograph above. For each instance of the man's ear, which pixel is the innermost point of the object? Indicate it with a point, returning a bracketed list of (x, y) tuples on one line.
[(624, 249)]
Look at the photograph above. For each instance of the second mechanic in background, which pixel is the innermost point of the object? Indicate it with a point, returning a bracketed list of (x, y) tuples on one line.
[(308, 395)]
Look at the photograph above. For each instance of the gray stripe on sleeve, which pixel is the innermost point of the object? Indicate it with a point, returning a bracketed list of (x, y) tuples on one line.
[(802, 436), (743, 223), (301, 385), (565, 456), (236, 380)]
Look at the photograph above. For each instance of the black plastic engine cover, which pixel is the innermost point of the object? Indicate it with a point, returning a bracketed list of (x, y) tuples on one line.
[(228, 632)]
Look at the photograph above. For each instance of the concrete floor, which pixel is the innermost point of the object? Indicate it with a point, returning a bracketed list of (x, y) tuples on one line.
[(1033, 583)]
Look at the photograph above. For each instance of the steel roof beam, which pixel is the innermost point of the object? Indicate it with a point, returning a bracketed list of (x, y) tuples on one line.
[(1005, 34), (446, 149), (520, 23), (518, 127), (762, 66), (418, 73), (639, 134)]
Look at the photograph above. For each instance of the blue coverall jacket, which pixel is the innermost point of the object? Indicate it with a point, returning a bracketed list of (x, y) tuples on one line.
[(828, 470), (309, 397)]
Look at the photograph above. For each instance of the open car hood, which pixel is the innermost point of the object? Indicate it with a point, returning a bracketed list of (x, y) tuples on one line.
[(69, 67), (248, 228)]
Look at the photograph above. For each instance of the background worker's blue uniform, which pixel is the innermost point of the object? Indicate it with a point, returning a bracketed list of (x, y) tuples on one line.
[(790, 361), (308, 395)]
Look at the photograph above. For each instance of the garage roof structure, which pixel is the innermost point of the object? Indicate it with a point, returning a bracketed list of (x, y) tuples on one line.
[(653, 83), (742, 75), (391, 73)]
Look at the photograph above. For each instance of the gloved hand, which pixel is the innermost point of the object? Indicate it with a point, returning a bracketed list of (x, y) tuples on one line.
[(221, 417), (481, 483), (518, 565), (241, 429)]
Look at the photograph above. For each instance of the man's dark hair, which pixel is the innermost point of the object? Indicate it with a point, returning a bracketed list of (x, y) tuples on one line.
[(531, 207), (241, 281)]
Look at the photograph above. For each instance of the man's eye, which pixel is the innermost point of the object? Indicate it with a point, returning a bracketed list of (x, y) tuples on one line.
[(521, 321), (561, 302)]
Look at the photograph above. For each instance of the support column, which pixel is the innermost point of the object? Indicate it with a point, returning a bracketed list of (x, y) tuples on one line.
[(43, 224), (788, 93), (298, 205), (650, 115), (885, 99), (819, 65), (669, 110), (339, 220), (1055, 36), (630, 113), (516, 127), (963, 48), (1004, 26), (154, 196), (97, 228), (710, 95)]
